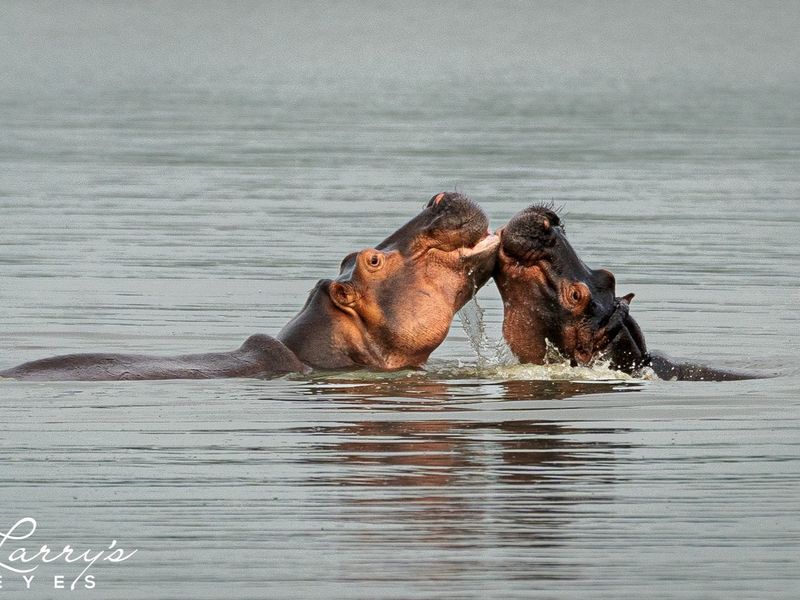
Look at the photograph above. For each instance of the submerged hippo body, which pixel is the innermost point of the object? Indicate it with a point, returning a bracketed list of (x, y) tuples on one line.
[(550, 295), (260, 356), (389, 308)]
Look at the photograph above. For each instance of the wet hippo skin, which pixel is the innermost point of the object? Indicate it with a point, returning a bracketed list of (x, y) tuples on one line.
[(389, 308), (550, 295), (392, 305), (260, 356)]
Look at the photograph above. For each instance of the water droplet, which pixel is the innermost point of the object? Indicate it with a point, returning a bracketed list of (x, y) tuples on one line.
[(491, 353)]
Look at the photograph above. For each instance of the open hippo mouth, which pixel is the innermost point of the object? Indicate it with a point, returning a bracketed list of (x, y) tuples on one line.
[(549, 293), (392, 305), (449, 223), (450, 237)]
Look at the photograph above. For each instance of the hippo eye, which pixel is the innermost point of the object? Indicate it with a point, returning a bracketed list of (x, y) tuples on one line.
[(577, 295), (374, 261)]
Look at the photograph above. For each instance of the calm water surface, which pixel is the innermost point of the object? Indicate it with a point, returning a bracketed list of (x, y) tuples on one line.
[(175, 178)]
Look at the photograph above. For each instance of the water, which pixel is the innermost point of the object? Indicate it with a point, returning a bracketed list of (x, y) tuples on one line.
[(174, 178)]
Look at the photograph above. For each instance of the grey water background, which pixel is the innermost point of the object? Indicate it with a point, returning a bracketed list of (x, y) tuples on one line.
[(176, 176)]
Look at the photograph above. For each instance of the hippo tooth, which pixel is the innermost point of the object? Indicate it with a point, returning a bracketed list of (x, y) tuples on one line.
[(488, 243)]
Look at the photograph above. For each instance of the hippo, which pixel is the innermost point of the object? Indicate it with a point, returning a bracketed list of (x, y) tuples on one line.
[(550, 295), (389, 308), (259, 356)]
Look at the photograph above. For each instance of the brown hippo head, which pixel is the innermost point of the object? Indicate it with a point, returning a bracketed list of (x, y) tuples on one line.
[(550, 294), (392, 305)]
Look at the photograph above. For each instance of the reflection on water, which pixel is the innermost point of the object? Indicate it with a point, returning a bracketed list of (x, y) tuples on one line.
[(415, 472), (384, 486), (459, 472), (443, 481), (452, 453), (409, 390)]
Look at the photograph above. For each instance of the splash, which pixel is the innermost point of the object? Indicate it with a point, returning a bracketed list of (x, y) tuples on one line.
[(490, 352), (558, 367), (495, 361)]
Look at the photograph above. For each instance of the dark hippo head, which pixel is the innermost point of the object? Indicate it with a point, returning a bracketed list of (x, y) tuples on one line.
[(549, 293), (392, 305)]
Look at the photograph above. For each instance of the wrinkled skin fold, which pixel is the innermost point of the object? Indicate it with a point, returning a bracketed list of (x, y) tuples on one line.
[(550, 294), (389, 308)]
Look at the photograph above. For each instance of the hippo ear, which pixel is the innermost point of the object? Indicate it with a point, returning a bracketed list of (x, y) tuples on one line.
[(348, 262), (342, 294)]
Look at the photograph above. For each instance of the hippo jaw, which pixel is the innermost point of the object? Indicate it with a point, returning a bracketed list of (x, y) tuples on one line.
[(393, 304), (549, 293)]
